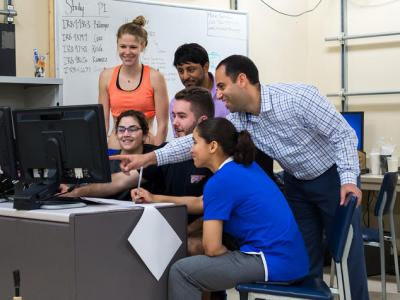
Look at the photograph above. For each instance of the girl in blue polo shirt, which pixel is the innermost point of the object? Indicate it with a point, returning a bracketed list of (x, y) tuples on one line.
[(241, 201)]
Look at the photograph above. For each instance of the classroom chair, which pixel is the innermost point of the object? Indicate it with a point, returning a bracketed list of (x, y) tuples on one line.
[(377, 237), (314, 288)]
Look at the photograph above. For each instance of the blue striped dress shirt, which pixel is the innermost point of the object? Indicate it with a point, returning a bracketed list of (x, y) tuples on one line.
[(296, 126)]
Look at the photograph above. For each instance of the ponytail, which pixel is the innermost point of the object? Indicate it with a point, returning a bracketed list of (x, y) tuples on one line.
[(245, 150), (232, 143)]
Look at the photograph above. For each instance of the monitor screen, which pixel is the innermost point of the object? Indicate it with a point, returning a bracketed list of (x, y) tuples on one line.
[(356, 121), (8, 163), (63, 144)]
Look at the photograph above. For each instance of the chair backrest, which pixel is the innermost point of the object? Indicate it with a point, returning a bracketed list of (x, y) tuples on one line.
[(340, 228), (388, 187)]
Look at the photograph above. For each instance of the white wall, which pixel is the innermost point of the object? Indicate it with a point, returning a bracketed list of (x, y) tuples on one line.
[(277, 43), (374, 64), (293, 49)]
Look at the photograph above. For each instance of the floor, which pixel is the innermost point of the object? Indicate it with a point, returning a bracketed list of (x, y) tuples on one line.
[(374, 287)]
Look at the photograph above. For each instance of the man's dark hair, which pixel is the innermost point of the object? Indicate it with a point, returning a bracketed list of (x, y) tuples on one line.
[(200, 100), (236, 64), (138, 115), (190, 53)]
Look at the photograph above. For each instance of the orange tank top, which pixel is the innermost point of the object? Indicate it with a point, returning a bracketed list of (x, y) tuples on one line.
[(141, 98)]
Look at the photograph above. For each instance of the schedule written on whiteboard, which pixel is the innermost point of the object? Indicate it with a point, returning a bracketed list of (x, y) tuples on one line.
[(85, 29)]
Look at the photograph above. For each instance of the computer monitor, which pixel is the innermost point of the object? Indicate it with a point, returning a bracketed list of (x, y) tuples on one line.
[(8, 163), (356, 121), (65, 144)]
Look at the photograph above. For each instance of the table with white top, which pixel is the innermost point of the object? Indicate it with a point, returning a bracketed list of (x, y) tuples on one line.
[(371, 182), (80, 254)]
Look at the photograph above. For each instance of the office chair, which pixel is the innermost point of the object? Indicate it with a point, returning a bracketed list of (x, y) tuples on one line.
[(314, 288), (376, 237)]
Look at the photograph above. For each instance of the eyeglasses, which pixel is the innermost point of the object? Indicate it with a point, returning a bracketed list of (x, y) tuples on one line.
[(131, 129)]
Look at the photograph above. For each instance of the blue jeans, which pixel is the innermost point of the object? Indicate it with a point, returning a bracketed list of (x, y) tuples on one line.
[(314, 203)]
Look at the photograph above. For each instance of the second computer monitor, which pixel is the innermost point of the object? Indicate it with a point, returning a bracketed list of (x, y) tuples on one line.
[(8, 164), (66, 144), (356, 121)]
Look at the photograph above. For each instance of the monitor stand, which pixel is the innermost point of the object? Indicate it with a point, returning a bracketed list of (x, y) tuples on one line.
[(42, 195), (54, 205)]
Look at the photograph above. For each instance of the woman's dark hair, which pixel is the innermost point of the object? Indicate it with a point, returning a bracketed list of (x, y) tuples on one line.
[(233, 143), (138, 115)]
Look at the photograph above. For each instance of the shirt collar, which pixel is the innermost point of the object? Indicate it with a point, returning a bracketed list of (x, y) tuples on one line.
[(266, 104), (229, 159)]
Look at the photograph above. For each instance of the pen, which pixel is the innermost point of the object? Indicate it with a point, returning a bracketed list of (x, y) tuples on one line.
[(140, 177)]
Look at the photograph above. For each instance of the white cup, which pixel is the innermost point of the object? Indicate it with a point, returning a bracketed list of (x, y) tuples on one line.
[(374, 163), (393, 164)]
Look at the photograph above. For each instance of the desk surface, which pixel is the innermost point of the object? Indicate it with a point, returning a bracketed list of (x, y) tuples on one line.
[(373, 182), (64, 215), (373, 178)]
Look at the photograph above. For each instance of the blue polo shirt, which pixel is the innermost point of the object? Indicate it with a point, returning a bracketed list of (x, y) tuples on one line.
[(256, 214)]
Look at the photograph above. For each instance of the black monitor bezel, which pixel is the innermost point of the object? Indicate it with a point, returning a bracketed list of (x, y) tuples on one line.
[(102, 140)]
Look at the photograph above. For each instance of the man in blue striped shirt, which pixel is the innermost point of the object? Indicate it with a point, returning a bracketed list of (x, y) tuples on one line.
[(298, 127)]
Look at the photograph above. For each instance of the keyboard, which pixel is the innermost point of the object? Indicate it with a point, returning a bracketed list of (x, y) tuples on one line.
[(57, 202), (71, 200)]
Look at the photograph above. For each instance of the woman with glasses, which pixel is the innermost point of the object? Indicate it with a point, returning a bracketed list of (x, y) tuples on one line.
[(133, 85), (242, 201)]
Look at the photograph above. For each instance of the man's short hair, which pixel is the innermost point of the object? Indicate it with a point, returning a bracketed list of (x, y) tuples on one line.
[(236, 64), (200, 100), (190, 53)]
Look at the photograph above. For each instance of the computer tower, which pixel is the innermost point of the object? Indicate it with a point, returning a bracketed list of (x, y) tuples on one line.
[(373, 261), (7, 50)]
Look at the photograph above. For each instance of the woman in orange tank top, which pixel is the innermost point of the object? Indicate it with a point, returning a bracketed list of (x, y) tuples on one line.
[(133, 85)]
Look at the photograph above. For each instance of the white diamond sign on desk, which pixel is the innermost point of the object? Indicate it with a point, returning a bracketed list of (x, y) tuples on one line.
[(155, 241)]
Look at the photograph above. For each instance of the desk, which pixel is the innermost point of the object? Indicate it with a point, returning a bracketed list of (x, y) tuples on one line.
[(86, 257), (371, 182)]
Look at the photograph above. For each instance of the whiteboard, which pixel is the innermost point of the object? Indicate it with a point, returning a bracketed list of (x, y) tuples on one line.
[(85, 39)]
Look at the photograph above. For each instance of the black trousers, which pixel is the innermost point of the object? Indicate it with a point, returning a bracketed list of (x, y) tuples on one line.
[(314, 203)]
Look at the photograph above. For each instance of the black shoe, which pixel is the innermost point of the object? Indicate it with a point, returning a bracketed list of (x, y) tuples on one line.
[(219, 295)]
